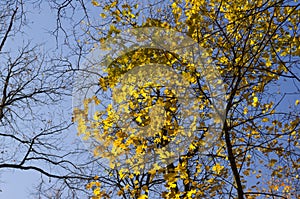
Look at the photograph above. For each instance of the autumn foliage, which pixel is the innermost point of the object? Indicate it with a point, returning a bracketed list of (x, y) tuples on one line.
[(255, 48)]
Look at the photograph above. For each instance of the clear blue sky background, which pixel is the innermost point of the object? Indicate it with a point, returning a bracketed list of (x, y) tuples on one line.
[(16, 184), (19, 184)]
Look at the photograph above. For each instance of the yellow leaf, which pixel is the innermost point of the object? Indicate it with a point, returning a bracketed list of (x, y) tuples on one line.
[(268, 63), (122, 174), (173, 109), (255, 99), (139, 119), (272, 162), (217, 168), (265, 119), (96, 191), (89, 186), (246, 172), (96, 100), (143, 197), (95, 3), (297, 102), (120, 192), (245, 110), (173, 185), (103, 15), (255, 102), (102, 84), (190, 193), (113, 4)]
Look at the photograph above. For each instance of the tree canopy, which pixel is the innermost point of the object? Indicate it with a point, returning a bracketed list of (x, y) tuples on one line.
[(254, 48), (175, 99)]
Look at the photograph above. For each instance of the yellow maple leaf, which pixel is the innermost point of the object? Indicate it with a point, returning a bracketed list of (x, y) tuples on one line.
[(245, 110), (97, 191), (143, 197), (139, 119), (272, 162), (103, 15), (217, 168), (265, 119), (122, 174), (255, 102), (95, 3), (190, 193), (268, 63)]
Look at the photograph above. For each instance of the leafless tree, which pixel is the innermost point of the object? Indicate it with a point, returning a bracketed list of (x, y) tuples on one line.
[(35, 111)]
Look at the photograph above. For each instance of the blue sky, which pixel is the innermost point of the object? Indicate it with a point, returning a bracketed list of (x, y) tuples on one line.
[(18, 184)]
